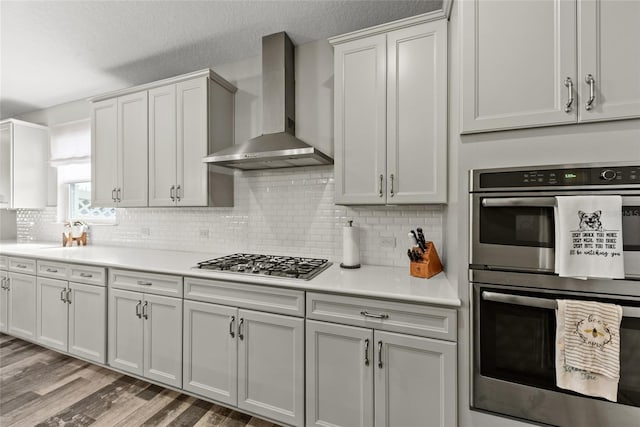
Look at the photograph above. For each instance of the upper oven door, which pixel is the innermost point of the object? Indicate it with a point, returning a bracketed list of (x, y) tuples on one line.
[(515, 232)]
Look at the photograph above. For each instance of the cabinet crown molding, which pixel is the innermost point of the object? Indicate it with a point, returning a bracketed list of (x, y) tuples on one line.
[(393, 25), (207, 72)]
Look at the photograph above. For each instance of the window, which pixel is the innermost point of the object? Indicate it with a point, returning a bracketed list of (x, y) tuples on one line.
[(80, 205)]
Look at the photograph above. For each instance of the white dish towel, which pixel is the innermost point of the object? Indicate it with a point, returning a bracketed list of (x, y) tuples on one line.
[(588, 236), (588, 347)]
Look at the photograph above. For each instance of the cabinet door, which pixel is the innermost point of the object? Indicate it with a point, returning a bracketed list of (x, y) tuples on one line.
[(87, 322), (125, 331), (609, 51), (339, 369), (30, 166), (3, 301), (415, 380), (162, 146), (516, 57), (104, 153), (192, 142), (163, 339), (22, 306), (210, 362), (271, 366), (6, 155), (417, 114), (133, 154), (51, 313), (360, 70)]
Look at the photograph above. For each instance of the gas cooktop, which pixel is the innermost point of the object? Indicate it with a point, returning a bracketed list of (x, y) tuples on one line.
[(267, 265)]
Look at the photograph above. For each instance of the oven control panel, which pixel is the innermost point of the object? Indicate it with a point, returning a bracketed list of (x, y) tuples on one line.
[(601, 176)]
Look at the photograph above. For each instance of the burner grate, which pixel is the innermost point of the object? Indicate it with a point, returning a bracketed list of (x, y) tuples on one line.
[(267, 265)]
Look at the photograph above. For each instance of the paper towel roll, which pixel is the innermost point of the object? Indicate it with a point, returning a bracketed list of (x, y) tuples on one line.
[(350, 246)]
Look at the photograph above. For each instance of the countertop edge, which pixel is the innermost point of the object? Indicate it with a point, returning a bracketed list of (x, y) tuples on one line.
[(39, 251)]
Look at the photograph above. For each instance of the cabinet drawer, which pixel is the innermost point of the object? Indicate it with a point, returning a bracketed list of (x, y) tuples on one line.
[(159, 284), (87, 274), (54, 270), (4, 262), (415, 319), (262, 298), (22, 265)]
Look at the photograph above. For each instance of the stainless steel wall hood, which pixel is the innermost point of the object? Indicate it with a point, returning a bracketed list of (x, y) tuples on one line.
[(278, 146)]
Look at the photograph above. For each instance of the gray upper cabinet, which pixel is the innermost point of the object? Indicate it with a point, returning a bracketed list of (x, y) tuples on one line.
[(119, 147), (390, 111), (529, 64), (148, 143), (24, 149), (187, 121)]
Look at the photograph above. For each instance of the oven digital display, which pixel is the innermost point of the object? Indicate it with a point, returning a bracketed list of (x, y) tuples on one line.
[(631, 228)]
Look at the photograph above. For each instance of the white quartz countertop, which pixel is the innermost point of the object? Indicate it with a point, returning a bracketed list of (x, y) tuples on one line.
[(393, 283)]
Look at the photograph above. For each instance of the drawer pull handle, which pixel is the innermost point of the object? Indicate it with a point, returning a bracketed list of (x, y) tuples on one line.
[(380, 354), (86, 275), (138, 309), (366, 352), (52, 270), (144, 310), (21, 266), (233, 320), (375, 316), (144, 283), (69, 296), (62, 295)]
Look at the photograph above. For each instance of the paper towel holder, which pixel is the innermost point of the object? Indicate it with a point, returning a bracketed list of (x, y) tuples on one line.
[(343, 265)]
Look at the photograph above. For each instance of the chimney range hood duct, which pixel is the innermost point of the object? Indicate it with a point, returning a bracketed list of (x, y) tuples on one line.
[(278, 147)]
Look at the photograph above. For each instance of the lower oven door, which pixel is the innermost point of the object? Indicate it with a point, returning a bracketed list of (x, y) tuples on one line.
[(514, 359)]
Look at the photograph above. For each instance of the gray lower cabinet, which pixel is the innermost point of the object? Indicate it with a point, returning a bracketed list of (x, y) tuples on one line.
[(383, 363), (241, 357), (71, 317), (210, 351), (21, 305), (4, 286), (145, 335)]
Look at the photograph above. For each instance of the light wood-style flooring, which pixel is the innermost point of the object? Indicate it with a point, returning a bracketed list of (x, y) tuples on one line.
[(40, 387)]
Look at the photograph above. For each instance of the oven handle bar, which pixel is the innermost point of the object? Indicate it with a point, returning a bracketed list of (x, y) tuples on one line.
[(543, 302), (545, 202)]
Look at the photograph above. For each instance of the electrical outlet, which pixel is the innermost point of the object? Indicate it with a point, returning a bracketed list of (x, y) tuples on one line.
[(145, 231), (388, 242), (204, 233)]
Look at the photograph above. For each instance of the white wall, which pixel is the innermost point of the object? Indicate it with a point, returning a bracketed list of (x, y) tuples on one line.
[(288, 211), (583, 143)]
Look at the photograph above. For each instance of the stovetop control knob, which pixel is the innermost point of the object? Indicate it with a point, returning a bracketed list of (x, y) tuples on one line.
[(608, 174)]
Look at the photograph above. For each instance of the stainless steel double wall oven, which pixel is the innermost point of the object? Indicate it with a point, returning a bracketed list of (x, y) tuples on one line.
[(514, 290)]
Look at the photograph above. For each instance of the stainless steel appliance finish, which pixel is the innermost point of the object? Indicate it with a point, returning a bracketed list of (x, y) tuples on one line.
[(514, 291), (278, 147), (513, 344), (512, 224), (267, 265)]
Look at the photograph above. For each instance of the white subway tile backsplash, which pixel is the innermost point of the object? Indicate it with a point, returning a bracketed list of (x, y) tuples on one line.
[(280, 212)]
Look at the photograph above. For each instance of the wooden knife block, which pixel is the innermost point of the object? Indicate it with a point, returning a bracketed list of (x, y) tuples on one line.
[(430, 264)]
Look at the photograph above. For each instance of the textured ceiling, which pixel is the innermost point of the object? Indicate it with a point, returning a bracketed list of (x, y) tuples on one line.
[(53, 52)]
